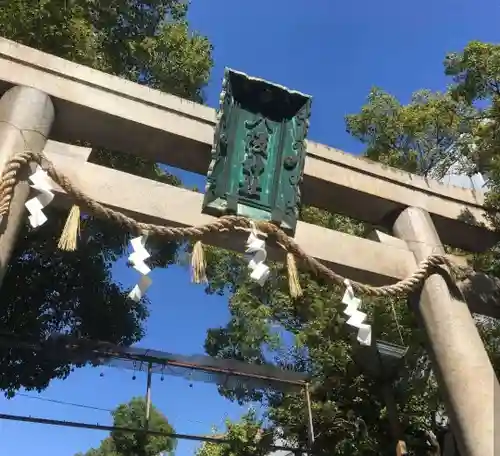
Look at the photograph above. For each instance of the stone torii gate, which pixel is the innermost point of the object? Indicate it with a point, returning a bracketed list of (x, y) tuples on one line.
[(53, 101)]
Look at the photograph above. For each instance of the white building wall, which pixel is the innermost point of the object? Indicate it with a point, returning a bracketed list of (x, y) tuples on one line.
[(280, 442), (458, 179)]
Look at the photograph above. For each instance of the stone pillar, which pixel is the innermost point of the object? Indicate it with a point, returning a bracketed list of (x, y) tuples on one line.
[(26, 116), (461, 364)]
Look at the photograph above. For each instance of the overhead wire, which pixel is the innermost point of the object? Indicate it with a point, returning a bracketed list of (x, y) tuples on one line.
[(91, 407), (60, 402)]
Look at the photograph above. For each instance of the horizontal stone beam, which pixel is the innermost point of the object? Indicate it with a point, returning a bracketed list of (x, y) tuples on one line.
[(120, 115), (359, 259)]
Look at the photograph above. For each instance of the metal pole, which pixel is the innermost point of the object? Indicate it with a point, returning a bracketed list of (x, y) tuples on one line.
[(148, 395), (310, 427), (392, 411)]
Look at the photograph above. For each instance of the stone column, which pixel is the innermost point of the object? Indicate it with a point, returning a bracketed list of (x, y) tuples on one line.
[(461, 364), (26, 116)]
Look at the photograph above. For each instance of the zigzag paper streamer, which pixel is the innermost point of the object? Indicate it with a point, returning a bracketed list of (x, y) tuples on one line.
[(357, 318), (139, 290), (41, 183), (136, 258), (257, 248)]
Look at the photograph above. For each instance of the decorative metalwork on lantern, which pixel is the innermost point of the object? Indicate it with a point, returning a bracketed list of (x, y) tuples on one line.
[(259, 151)]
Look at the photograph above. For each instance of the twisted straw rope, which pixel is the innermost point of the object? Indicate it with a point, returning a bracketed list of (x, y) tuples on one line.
[(225, 223)]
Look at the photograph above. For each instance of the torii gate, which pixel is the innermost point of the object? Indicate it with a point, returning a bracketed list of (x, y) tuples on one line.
[(53, 98)]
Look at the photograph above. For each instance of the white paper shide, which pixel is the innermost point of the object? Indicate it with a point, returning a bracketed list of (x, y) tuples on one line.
[(41, 183), (136, 258), (356, 317), (257, 254)]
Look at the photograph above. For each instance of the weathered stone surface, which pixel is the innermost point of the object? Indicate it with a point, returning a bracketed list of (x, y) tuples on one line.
[(114, 113)]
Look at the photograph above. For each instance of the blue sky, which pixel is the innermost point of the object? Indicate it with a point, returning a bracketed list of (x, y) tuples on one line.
[(334, 51)]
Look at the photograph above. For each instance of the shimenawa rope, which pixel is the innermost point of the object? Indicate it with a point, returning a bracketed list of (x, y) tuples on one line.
[(225, 223)]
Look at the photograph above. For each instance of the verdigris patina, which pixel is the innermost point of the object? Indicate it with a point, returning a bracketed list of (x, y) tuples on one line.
[(259, 151)]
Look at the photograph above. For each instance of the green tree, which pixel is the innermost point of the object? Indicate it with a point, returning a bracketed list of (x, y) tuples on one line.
[(436, 130), (476, 83), (416, 137), (309, 333), (133, 416), (264, 320), (48, 291), (246, 438)]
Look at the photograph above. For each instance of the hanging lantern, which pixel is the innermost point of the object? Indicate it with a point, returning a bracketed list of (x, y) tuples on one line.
[(259, 151), (382, 360)]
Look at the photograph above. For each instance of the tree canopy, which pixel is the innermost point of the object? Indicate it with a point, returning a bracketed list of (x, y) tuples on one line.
[(48, 291), (246, 438), (133, 416), (427, 135)]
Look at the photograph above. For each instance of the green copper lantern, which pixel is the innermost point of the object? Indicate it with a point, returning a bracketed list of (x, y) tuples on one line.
[(259, 151)]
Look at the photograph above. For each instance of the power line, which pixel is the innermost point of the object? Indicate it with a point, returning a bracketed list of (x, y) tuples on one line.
[(74, 424), (90, 407), (55, 401)]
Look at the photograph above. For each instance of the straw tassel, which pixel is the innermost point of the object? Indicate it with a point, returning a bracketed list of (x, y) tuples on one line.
[(198, 264), (71, 231), (293, 276)]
